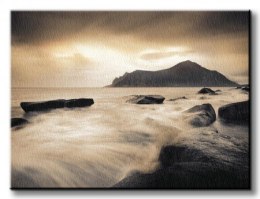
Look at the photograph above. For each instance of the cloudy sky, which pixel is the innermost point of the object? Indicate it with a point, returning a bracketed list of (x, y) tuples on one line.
[(90, 49)]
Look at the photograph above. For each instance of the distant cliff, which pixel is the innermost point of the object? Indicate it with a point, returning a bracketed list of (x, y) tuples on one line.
[(184, 74)]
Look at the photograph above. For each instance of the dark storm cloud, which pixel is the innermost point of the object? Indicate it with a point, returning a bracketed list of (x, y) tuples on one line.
[(224, 22), (30, 27), (34, 27), (97, 46)]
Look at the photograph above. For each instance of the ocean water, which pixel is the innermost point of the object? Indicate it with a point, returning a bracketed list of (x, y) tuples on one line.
[(100, 145)]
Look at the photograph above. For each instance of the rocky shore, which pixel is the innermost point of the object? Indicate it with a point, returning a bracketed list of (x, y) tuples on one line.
[(180, 166)]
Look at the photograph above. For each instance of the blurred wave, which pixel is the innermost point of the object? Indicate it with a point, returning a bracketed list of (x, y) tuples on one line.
[(100, 145)]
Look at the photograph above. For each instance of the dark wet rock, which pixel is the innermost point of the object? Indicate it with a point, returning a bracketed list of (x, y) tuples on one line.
[(178, 98), (235, 112), (171, 154), (146, 99), (18, 122), (82, 102), (54, 104), (183, 167), (42, 106), (189, 175), (201, 115), (245, 88), (206, 91)]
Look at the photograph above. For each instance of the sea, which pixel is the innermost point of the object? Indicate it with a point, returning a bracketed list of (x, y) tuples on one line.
[(100, 145)]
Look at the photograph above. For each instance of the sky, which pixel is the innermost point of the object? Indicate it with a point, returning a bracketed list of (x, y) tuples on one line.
[(90, 49)]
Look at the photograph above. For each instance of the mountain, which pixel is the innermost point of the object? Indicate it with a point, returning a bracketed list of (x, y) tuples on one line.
[(184, 74)]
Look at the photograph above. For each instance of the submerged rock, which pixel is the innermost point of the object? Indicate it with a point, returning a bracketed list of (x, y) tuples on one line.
[(18, 122), (202, 115), (54, 104), (203, 97), (178, 98), (146, 99), (206, 91), (235, 112)]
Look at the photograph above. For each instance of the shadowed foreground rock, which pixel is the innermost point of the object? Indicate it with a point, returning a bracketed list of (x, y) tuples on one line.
[(189, 175), (18, 122), (146, 99), (169, 155), (235, 112), (183, 167), (54, 104), (206, 91), (201, 115)]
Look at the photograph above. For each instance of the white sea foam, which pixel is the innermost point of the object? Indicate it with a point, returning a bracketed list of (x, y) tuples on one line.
[(99, 145)]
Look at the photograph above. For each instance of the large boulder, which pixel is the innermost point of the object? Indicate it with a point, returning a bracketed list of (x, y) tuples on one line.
[(206, 91), (18, 121), (235, 112), (189, 175), (186, 168), (54, 104), (201, 115), (146, 99)]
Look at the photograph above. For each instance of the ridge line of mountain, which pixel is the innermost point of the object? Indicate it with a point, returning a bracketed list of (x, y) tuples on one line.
[(183, 74)]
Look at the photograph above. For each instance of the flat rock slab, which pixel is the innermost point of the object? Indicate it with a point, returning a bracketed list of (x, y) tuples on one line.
[(201, 115), (146, 99), (78, 103), (18, 121), (235, 112), (54, 104), (207, 91)]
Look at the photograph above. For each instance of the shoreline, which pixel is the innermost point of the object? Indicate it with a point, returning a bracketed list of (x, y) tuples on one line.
[(106, 137)]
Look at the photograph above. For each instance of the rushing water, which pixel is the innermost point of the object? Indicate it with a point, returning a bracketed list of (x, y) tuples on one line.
[(99, 145)]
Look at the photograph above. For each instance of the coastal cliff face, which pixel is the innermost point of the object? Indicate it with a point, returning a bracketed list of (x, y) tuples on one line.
[(184, 74)]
